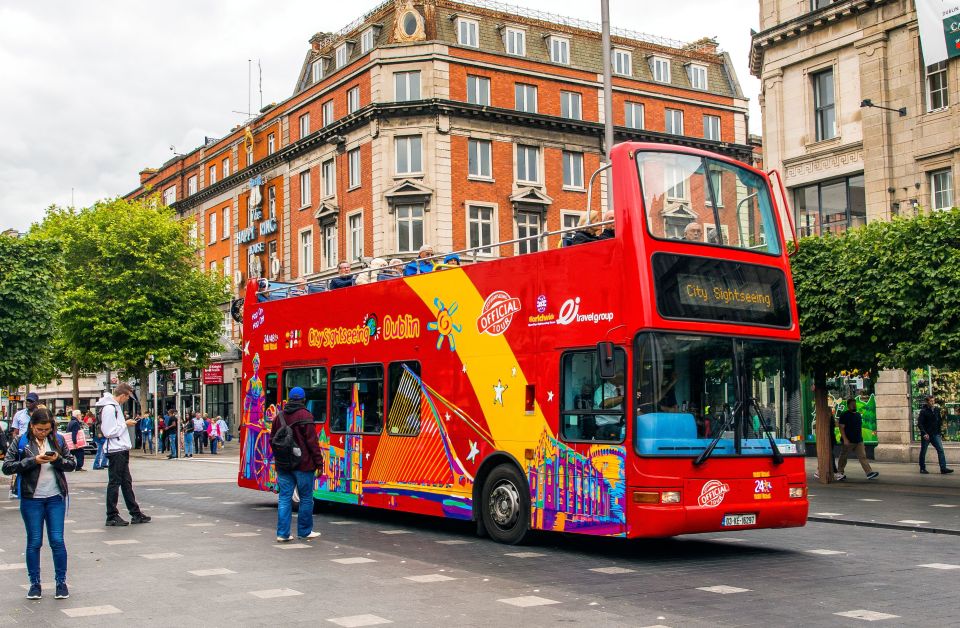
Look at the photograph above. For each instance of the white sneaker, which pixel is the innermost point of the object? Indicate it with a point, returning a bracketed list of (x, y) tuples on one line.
[(840, 477), (284, 539), (312, 535)]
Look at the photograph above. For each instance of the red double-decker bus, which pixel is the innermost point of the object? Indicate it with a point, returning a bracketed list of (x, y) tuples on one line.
[(643, 382)]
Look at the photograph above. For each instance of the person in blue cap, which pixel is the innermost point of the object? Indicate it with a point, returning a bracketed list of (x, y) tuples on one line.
[(303, 475)]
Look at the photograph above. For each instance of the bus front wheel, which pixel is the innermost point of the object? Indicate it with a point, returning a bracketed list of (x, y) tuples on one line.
[(506, 505)]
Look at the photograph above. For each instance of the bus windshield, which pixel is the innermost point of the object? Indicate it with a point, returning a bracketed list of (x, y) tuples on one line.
[(691, 388), (730, 207)]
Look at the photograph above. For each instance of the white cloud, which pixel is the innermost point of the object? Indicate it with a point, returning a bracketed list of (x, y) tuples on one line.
[(94, 92)]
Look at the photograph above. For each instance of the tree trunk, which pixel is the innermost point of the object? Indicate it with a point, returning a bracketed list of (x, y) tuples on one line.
[(75, 377), (824, 437), (143, 375)]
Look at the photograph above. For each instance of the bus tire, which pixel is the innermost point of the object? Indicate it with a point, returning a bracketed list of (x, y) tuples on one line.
[(505, 505)]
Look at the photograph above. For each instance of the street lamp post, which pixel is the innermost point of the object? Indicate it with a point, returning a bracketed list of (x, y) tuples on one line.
[(607, 95)]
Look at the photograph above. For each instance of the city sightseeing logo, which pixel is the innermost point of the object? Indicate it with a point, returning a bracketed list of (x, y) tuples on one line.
[(712, 493), (497, 313)]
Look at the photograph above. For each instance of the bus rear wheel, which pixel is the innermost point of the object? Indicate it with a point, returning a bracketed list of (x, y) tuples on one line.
[(505, 505)]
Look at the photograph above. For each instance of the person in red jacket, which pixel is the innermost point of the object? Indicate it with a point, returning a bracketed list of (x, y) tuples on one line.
[(303, 478)]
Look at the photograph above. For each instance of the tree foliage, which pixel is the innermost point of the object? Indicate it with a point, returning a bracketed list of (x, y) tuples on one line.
[(881, 296), (132, 296), (28, 271)]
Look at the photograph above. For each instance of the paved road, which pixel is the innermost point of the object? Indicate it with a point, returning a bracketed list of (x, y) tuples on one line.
[(210, 559)]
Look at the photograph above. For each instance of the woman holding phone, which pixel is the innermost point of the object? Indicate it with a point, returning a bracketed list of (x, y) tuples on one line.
[(41, 459)]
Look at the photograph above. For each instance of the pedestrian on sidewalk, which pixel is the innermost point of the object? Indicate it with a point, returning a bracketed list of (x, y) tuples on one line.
[(18, 426), (213, 433), (206, 431), (118, 446), (171, 432), (187, 436), (40, 459), (851, 432), (100, 458), (161, 431), (930, 434), (303, 475), (146, 431), (77, 440), (198, 432)]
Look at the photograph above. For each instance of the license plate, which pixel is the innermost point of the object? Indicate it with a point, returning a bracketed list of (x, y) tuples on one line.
[(739, 520)]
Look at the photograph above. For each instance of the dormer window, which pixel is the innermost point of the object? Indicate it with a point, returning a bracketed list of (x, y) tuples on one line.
[(697, 75), (515, 41), (622, 62), (341, 56), (367, 40), (468, 32), (660, 66), (316, 70), (559, 49)]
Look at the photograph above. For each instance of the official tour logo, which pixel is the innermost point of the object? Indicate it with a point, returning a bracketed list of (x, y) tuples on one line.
[(497, 313), (712, 493)]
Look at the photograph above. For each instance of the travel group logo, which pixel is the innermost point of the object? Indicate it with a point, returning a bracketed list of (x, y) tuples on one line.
[(497, 313), (569, 314)]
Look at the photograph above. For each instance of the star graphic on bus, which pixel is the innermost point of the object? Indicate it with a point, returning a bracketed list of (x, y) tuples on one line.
[(474, 450), (498, 391), (444, 324), (549, 395)]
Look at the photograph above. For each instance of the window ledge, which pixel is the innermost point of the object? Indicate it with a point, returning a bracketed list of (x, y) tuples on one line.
[(480, 179), (354, 187), (303, 207), (937, 112), (568, 188), (408, 175), (817, 144)]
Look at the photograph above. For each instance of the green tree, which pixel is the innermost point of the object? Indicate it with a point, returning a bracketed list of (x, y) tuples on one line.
[(133, 297), (28, 271), (881, 296)]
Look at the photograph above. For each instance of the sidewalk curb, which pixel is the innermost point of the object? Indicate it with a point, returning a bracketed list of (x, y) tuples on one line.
[(884, 526)]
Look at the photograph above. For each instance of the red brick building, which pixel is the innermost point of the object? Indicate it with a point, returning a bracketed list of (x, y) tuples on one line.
[(455, 123)]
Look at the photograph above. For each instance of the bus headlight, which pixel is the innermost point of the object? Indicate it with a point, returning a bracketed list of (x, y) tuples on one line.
[(670, 497), (796, 492)]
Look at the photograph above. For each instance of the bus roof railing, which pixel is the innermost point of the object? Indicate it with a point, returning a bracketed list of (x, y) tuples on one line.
[(280, 290)]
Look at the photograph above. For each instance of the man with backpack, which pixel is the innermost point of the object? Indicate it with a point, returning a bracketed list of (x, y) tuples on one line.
[(297, 458), (114, 427)]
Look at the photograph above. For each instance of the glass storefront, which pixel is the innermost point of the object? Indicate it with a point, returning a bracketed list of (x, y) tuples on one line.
[(219, 400), (839, 389), (945, 387), (830, 206)]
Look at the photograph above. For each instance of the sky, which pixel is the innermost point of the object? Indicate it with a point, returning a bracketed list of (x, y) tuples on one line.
[(93, 92)]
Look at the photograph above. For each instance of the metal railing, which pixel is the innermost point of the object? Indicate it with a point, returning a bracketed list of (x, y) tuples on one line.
[(477, 254)]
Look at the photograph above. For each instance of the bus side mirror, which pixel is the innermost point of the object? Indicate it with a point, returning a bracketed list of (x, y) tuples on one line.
[(605, 359)]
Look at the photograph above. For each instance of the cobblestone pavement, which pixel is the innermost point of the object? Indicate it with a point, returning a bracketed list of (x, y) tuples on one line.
[(209, 558)]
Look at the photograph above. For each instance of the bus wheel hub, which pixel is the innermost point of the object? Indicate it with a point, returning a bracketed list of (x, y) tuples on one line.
[(505, 504)]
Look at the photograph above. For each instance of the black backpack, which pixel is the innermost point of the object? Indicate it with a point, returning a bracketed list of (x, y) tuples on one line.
[(286, 453), (98, 422)]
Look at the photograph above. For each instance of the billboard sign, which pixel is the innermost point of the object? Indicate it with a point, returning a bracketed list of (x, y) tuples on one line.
[(939, 29)]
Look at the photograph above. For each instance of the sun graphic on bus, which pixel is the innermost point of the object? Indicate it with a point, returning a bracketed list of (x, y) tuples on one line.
[(444, 324)]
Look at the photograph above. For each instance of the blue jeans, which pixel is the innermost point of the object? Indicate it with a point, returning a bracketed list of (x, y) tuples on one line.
[(35, 513), (172, 439), (100, 460), (213, 445), (303, 481), (148, 440), (188, 444), (938, 445)]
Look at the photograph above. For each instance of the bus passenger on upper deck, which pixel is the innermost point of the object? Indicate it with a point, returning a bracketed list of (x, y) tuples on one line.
[(391, 270), (452, 260), (608, 231), (372, 275), (421, 264), (299, 289), (693, 232), (586, 232), (343, 280)]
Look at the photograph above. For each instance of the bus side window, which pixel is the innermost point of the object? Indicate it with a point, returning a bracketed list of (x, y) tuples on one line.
[(270, 389), (313, 380), (357, 399), (592, 408), (403, 398)]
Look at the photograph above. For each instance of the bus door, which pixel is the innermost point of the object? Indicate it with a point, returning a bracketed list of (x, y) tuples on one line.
[(356, 421)]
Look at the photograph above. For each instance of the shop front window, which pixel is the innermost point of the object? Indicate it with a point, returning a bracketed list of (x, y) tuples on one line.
[(830, 206), (945, 388)]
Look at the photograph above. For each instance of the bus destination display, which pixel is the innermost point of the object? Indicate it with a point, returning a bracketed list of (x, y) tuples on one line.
[(710, 289)]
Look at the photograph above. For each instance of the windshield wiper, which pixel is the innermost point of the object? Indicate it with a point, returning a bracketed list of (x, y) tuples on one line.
[(777, 456), (727, 421)]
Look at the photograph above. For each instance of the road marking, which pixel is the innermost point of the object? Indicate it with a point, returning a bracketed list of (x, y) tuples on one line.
[(355, 560), (943, 505), (85, 498), (286, 546), (829, 514), (867, 615), (612, 570), (203, 497), (454, 542), (268, 594), (201, 525), (722, 589), (121, 542), (161, 556), (88, 531), (730, 539), (525, 554), (528, 600), (867, 499), (13, 566), (156, 489), (394, 531), (220, 571), (944, 566), (913, 522), (11, 507), (355, 621), (433, 577), (91, 611), (69, 521), (238, 535), (342, 523), (165, 516), (179, 493), (229, 503), (825, 552)]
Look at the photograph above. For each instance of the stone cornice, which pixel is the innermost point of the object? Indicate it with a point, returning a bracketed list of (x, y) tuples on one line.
[(808, 22)]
